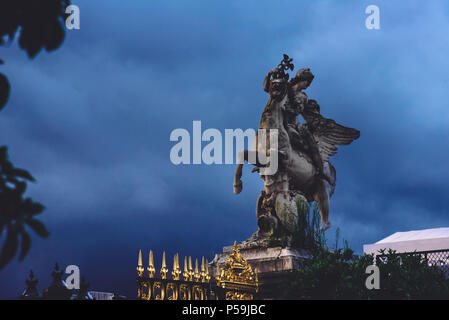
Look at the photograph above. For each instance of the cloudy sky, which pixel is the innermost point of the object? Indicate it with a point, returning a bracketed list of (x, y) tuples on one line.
[(92, 120)]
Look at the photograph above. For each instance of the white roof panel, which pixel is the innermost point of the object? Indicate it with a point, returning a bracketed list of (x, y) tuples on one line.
[(416, 235), (410, 241)]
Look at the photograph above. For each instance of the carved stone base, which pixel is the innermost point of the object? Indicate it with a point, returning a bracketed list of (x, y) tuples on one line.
[(278, 216), (272, 264)]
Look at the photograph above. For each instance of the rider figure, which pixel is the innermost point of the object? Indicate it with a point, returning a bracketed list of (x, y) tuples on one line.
[(301, 135)]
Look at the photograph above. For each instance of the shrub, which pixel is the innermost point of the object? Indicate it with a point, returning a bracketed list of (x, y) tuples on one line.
[(341, 275)]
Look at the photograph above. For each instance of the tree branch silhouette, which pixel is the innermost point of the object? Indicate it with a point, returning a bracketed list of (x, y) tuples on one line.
[(38, 25)]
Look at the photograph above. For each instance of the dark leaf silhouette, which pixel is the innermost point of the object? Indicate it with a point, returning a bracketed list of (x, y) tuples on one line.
[(16, 212), (38, 24), (38, 227), (3, 154), (4, 90), (33, 208), (10, 246), (55, 35), (22, 174)]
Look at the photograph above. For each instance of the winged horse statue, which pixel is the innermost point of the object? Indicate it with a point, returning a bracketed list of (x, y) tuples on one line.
[(303, 150)]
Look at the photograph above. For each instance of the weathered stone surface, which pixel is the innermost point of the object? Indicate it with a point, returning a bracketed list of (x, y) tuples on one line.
[(290, 206), (273, 265)]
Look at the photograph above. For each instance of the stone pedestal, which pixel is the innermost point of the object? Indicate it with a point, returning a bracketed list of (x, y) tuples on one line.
[(273, 265)]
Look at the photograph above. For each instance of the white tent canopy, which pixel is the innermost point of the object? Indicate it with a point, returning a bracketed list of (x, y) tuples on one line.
[(410, 241)]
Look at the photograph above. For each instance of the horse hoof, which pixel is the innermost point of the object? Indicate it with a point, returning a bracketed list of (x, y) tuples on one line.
[(238, 187)]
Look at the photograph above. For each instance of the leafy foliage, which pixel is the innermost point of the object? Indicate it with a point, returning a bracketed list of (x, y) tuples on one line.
[(38, 24), (310, 235), (4, 90), (16, 212), (340, 275)]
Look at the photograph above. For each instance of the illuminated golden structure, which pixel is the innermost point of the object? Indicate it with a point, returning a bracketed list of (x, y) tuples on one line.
[(235, 281), (237, 278)]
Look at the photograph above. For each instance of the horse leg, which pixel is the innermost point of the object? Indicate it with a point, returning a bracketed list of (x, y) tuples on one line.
[(322, 199)]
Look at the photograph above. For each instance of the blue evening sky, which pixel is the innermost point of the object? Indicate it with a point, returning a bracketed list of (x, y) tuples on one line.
[(92, 121)]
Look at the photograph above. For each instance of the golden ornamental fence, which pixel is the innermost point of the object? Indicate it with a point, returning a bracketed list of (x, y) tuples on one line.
[(234, 281)]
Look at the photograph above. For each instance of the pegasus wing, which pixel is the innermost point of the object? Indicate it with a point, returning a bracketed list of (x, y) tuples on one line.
[(328, 135)]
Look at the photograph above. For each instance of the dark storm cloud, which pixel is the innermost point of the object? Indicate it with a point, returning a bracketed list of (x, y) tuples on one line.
[(92, 122)]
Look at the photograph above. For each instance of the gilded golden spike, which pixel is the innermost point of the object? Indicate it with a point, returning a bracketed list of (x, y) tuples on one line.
[(218, 276), (151, 270), (140, 268), (197, 275), (190, 269), (207, 271), (176, 270), (164, 269), (257, 279), (235, 249), (186, 270), (173, 274), (203, 270)]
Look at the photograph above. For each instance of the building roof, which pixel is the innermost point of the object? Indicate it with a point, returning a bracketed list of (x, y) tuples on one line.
[(417, 235), (410, 241)]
